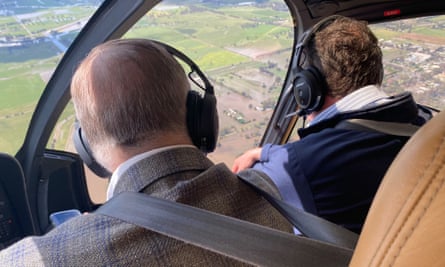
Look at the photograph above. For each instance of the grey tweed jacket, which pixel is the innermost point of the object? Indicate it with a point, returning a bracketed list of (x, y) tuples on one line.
[(182, 174)]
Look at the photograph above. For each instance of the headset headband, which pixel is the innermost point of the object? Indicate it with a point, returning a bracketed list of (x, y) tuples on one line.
[(208, 87), (309, 34)]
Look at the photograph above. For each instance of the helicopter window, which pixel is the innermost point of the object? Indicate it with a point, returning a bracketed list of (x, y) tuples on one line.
[(33, 39), (414, 58), (243, 49)]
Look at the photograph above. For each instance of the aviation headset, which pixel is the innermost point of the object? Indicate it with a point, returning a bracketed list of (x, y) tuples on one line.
[(310, 85), (202, 117)]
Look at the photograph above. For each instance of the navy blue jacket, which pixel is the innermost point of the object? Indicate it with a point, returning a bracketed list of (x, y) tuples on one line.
[(336, 171)]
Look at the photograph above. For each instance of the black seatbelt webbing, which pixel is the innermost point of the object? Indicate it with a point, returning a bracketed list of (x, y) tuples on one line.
[(308, 224), (234, 238)]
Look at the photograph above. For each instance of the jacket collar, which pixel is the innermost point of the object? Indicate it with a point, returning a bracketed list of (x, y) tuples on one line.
[(150, 169), (365, 96), (398, 108)]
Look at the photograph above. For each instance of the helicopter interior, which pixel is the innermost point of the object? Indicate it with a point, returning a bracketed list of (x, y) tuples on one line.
[(37, 181)]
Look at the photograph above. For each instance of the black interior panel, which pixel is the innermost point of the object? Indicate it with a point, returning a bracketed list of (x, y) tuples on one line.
[(62, 186), (15, 215)]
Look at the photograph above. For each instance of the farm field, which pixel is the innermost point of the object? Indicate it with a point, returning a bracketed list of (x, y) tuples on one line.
[(246, 59), (243, 49)]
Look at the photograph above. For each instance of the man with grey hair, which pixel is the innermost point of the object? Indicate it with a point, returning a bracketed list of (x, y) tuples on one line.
[(130, 100)]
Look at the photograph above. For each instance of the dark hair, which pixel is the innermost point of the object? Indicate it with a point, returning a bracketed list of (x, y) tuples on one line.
[(347, 52)]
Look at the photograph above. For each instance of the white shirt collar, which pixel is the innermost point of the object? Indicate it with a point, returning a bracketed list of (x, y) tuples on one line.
[(356, 100), (124, 166)]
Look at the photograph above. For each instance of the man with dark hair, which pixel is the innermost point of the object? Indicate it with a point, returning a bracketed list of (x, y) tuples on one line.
[(335, 168), (130, 99)]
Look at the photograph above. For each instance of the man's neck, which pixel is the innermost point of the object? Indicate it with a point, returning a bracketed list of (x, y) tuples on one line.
[(328, 101), (119, 153)]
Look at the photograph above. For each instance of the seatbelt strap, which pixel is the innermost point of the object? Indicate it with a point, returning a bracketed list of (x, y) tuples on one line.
[(308, 224), (234, 238), (391, 128)]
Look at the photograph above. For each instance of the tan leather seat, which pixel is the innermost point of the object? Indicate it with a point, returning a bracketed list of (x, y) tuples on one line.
[(406, 223)]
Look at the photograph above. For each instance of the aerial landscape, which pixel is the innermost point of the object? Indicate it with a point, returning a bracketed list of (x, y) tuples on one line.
[(243, 47)]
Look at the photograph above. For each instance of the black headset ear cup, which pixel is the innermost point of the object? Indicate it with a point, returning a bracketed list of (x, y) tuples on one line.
[(202, 120), (309, 89), (85, 153), (309, 84)]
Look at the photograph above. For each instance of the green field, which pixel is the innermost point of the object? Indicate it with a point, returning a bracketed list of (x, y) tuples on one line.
[(195, 29), (245, 51)]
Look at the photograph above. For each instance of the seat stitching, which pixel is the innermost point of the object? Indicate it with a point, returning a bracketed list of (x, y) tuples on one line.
[(411, 230), (398, 213)]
